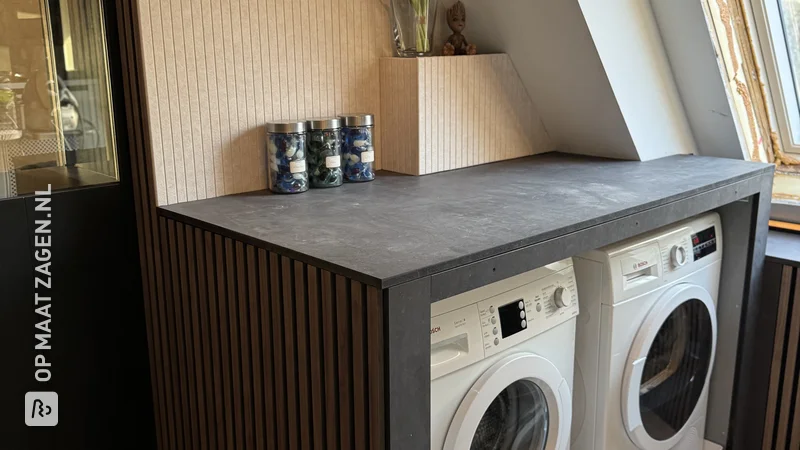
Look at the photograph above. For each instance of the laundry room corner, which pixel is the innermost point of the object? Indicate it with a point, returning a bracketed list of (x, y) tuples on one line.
[(400, 224)]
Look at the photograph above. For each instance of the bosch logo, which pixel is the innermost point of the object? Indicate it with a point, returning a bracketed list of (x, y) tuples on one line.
[(639, 265), (436, 329)]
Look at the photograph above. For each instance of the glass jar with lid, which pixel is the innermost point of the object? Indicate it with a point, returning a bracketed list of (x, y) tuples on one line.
[(358, 154), (324, 152), (286, 158)]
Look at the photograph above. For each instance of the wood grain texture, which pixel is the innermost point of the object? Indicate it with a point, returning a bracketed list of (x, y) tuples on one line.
[(452, 112), (215, 72), (231, 326), (266, 351), (782, 423)]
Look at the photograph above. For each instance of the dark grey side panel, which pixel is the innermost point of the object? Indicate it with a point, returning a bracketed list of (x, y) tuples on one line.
[(752, 367), (737, 222), (408, 365)]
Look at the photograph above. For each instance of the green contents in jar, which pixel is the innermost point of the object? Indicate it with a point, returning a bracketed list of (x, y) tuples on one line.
[(324, 153)]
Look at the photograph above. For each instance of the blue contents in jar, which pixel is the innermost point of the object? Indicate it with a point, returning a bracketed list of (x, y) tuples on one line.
[(358, 154), (287, 162)]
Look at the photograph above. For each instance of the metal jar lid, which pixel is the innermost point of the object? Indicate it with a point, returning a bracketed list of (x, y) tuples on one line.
[(286, 126), (358, 120), (324, 123)]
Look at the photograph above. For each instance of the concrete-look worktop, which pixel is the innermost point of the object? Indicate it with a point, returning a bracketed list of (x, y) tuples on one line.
[(415, 240), (400, 228)]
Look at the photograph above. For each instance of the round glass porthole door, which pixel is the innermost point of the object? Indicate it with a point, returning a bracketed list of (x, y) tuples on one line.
[(521, 403), (516, 419), (670, 364)]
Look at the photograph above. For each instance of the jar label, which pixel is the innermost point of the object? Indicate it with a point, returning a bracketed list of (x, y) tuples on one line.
[(297, 166), (333, 162), (368, 156)]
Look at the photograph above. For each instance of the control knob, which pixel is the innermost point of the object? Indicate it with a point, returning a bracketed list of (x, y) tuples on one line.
[(561, 297), (678, 256)]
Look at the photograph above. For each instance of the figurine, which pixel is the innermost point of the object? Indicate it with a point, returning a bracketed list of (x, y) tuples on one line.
[(457, 43)]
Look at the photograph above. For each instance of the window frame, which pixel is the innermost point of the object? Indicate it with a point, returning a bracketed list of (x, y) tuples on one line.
[(783, 94)]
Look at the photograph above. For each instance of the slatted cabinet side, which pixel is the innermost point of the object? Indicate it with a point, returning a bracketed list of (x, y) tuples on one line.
[(782, 425), (261, 351)]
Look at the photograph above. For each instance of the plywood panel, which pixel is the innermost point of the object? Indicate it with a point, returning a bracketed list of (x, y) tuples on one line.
[(215, 72), (452, 112)]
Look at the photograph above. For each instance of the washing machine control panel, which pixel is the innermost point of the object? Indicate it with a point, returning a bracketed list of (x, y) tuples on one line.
[(480, 323), (676, 252), (524, 312)]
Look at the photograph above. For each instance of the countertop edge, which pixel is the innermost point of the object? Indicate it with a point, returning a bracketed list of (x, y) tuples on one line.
[(783, 248), (293, 254), (395, 280)]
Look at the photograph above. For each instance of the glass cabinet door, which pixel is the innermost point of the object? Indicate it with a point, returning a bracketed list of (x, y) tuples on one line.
[(55, 105)]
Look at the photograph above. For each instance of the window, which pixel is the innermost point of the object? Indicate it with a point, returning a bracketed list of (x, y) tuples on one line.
[(55, 106), (777, 39), (779, 36)]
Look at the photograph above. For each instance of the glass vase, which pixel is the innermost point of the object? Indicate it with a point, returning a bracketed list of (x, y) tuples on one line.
[(413, 23)]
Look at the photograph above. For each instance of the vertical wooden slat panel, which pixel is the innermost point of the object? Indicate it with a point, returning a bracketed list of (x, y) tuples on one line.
[(146, 222), (244, 342), (198, 390), (303, 379), (242, 354), (236, 366), (291, 356), (784, 419), (176, 340), (777, 357), (168, 348), (375, 359), (331, 372), (257, 356), (795, 428), (358, 342), (265, 300), (278, 357), (222, 304), (316, 357), (185, 337), (204, 287), (267, 352), (216, 346), (343, 339)]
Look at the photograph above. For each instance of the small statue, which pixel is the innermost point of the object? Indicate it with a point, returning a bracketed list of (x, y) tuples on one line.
[(457, 43)]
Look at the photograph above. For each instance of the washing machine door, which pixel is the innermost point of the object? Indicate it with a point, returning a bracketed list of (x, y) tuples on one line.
[(667, 373), (521, 403)]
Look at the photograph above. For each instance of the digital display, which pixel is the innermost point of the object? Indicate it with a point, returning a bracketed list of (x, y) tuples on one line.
[(512, 318), (704, 243)]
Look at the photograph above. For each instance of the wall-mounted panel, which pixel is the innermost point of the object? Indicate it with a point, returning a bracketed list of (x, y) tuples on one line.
[(254, 350), (215, 72)]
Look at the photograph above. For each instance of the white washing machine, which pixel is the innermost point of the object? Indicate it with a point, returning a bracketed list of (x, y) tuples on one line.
[(501, 363), (646, 339)]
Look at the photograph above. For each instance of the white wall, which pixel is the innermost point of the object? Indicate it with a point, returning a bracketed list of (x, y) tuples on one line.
[(628, 42), (697, 73), (550, 46)]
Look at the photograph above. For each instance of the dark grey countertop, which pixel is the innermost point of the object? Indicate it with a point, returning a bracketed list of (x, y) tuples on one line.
[(783, 247), (400, 228)]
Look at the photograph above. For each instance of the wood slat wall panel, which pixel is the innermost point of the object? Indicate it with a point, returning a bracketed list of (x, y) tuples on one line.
[(265, 352), (215, 72), (782, 425), (222, 316)]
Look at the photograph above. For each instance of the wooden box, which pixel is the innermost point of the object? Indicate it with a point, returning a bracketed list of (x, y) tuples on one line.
[(448, 112)]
